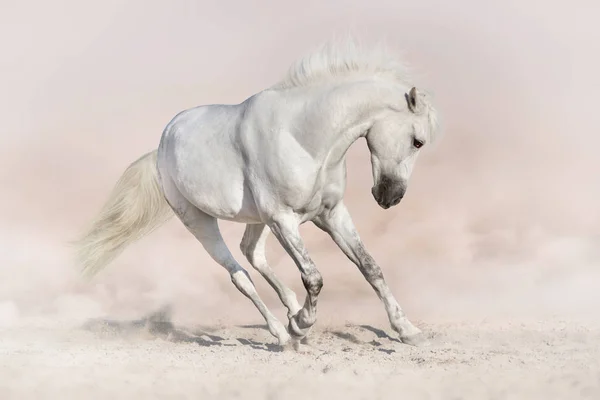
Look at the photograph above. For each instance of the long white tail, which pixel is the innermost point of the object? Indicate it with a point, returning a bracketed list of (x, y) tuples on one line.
[(135, 208)]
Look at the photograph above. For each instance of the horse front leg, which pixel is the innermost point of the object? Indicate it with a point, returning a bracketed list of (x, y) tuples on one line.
[(285, 229), (338, 224)]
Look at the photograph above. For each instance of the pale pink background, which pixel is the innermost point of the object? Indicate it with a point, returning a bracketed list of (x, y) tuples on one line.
[(501, 219)]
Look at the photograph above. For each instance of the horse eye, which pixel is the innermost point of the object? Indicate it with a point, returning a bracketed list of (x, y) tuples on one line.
[(417, 143)]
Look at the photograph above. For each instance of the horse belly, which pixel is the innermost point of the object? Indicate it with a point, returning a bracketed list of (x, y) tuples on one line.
[(221, 195)]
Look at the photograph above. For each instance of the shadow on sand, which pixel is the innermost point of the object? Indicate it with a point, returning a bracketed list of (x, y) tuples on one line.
[(158, 325), (352, 338)]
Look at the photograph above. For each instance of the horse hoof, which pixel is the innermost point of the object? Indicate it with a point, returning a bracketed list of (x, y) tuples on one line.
[(417, 340), (296, 345), (284, 339)]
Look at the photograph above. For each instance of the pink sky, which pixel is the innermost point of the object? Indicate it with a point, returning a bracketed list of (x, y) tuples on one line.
[(509, 192)]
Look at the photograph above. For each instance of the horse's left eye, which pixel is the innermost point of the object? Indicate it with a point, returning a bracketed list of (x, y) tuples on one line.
[(417, 143)]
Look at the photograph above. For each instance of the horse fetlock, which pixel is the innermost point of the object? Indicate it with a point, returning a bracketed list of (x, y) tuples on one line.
[(294, 330), (300, 323), (278, 330)]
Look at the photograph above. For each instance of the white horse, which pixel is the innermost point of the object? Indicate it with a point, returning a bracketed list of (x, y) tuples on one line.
[(275, 161)]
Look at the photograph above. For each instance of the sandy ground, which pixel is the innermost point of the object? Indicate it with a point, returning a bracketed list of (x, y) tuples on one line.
[(152, 358)]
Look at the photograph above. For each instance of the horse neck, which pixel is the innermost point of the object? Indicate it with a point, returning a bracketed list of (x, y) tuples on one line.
[(352, 110)]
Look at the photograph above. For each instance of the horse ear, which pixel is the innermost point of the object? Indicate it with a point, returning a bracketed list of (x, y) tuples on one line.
[(412, 100)]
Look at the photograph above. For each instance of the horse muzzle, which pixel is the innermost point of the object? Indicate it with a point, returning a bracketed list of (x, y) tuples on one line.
[(388, 192)]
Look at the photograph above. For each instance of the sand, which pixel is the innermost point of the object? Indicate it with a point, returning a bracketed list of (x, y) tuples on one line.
[(155, 359)]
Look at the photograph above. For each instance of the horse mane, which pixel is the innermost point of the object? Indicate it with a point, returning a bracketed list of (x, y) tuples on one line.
[(338, 59), (341, 59)]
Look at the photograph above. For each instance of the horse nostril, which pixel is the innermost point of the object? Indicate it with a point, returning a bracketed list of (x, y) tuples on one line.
[(385, 183)]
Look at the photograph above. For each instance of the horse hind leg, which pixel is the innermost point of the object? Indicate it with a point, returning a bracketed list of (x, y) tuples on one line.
[(206, 229), (253, 247)]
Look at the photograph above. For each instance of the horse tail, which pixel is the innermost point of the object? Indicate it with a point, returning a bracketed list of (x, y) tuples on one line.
[(135, 208)]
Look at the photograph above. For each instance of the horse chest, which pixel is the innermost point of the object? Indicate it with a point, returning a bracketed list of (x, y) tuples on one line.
[(332, 194), (328, 194)]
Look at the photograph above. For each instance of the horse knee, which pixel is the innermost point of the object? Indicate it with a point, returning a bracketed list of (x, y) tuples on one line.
[(313, 282)]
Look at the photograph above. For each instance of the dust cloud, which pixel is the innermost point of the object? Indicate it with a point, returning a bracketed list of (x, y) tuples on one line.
[(501, 219)]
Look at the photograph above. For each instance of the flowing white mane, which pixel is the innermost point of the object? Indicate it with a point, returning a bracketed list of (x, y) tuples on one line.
[(345, 59), (342, 59)]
